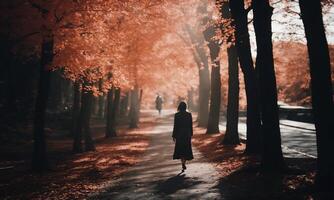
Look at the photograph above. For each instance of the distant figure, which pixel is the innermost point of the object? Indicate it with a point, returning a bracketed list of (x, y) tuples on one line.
[(182, 133), (158, 103)]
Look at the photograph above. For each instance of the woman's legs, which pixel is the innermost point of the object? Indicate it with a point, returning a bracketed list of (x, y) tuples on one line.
[(183, 161)]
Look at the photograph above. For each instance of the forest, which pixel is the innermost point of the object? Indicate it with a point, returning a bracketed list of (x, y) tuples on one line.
[(80, 82)]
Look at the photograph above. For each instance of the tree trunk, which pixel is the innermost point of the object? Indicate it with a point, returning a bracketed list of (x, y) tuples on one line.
[(110, 99), (231, 135), (75, 108), (124, 105), (55, 91), (39, 159), (215, 100), (67, 93), (190, 95), (204, 93), (134, 110), (140, 99), (272, 159), (77, 142), (239, 15), (322, 100), (86, 112), (215, 96), (204, 79), (10, 97), (101, 101), (83, 126), (114, 111)]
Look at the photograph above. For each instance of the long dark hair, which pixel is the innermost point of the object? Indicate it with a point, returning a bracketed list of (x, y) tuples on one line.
[(182, 106)]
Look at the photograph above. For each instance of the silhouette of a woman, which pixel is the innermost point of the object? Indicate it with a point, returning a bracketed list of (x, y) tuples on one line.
[(182, 133)]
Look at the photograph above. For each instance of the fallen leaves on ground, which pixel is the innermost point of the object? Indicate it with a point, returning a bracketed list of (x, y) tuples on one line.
[(75, 176), (242, 178)]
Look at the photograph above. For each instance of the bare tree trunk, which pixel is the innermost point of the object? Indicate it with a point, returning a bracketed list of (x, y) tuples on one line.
[(101, 101), (215, 100), (215, 95), (39, 159), (114, 111), (55, 91), (231, 135), (86, 112), (10, 95), (239, 15), (190, 99), (322, 99), (272, 157), (124, 105), (204, 93), (204, 76), (67, 93), (110, 99), (75, 108), (83, 126), (134, 108)]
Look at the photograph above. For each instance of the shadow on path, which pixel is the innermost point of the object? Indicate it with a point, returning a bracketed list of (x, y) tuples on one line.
[(157, 176), (249, 183), (178, 182)]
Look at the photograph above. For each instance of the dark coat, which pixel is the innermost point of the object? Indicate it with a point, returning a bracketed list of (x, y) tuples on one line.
[(182, 132)]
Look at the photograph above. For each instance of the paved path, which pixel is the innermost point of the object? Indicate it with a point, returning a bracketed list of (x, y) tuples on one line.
[(298, 138), (160, 177)]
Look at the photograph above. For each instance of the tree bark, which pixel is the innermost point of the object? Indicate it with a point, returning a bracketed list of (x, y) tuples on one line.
[(204, 93), (134, 108), (124, 105), (215, 95), (10, 96), (114, 111), (67, 93), (101, 101), (83, 127), (110, 99), (75, 108), (9, 100), (322, 100), (272, 157), (55, 101), (239, 15), (231, 135), (204, 78), (39, 159), (86, 112), (190, 95)]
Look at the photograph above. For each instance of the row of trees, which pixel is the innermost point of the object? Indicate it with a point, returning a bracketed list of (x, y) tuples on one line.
[(113, 49), (105, 48), (263, 132)]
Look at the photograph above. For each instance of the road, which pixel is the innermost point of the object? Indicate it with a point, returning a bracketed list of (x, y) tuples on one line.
[(298, 138)]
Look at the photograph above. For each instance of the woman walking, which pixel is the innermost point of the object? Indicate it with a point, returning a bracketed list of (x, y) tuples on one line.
[(182, 133)]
